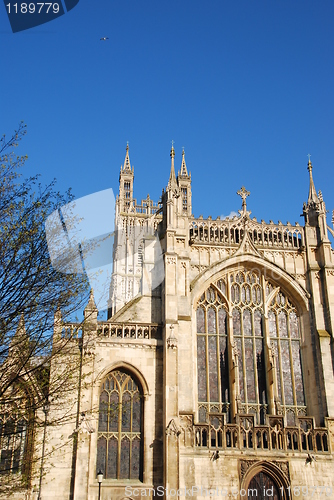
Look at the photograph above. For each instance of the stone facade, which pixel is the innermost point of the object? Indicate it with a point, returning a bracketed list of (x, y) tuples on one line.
[(231, 354)]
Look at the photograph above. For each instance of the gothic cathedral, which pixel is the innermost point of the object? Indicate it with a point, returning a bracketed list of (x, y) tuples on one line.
[(214, 374)]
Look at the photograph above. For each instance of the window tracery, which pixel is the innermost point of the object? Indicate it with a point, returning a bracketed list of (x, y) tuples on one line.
[(231, 329), (212, 355), (14, 431), (119, 445), (285, 339), (184, 193)]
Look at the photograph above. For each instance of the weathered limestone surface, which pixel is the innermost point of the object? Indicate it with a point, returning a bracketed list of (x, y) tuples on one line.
[(195, 435)]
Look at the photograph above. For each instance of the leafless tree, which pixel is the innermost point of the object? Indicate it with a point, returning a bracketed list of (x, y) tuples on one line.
[(32, 294)]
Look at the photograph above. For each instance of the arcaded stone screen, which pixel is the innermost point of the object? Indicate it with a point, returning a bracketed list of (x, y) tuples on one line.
[(119, 445), (243, 293)]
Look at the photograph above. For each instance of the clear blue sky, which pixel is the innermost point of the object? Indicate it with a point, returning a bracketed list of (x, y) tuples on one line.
[(246, 86)]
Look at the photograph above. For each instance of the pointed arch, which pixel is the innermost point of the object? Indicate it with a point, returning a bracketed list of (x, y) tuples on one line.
[(120, 428), (271, 271), (17, 418), (126, 366), (262, 336), (278, 476)]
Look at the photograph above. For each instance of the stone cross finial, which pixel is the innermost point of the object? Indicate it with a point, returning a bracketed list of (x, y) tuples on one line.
[(243, 193)]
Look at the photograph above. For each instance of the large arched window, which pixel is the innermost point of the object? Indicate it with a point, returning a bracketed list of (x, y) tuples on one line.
[(231, 328), (119, 445), (285, 340), (16, 419), (212, 356)]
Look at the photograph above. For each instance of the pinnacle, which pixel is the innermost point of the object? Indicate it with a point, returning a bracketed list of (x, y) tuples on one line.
[(184, 171), (91, 302), (312, 197)]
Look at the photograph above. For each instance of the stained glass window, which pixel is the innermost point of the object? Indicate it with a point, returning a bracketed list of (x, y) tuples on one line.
[(212, 358), (285, 339), (247, 314), (119, 444), (14, 425), (184, 194), (243, 293)]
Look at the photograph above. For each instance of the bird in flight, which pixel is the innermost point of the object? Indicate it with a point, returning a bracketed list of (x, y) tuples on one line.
[(104, 38)]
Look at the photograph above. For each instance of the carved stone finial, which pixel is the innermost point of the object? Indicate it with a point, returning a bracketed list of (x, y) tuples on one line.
[(243, 193), (184, 171), (172, 429), (279, 409), (171, 340), (313, 200)]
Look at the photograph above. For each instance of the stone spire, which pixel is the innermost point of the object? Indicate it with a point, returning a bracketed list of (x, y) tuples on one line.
[(127, 166), (90, 312), (19, 341), (172, 177), (313, 199), (91, 306), (126, 178), (184, 171)]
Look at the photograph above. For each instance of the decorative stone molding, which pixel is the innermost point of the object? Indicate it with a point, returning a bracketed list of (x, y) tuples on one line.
[(186, 422), (245, 465), (330, 426), (89, 348), (187, 428), (172, 429), (284, 467), (171, 340), (130, 346), (235, 352), (85, 424), (279, 409), (198, 268), (171, 260)]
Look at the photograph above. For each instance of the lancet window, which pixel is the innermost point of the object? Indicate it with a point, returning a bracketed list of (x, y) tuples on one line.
[(285, 340), (127, 189), (184, 193), (119, 445), (235, 342), (14, 432), (212, 355)]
